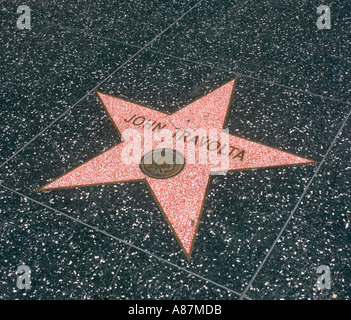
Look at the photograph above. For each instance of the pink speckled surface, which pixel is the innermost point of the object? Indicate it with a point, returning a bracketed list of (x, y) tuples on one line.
[(180, 197)]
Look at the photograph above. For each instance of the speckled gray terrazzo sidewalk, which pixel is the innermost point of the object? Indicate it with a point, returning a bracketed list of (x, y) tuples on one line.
[(263, 232)]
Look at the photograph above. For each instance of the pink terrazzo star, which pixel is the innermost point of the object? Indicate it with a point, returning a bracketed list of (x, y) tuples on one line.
[(196, 132)]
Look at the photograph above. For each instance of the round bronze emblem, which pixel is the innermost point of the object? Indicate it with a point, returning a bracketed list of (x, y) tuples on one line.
[(162, 163)]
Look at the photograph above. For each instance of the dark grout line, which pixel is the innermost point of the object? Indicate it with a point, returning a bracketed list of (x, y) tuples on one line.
[(243, 294), (121, 240), (119, 268)]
